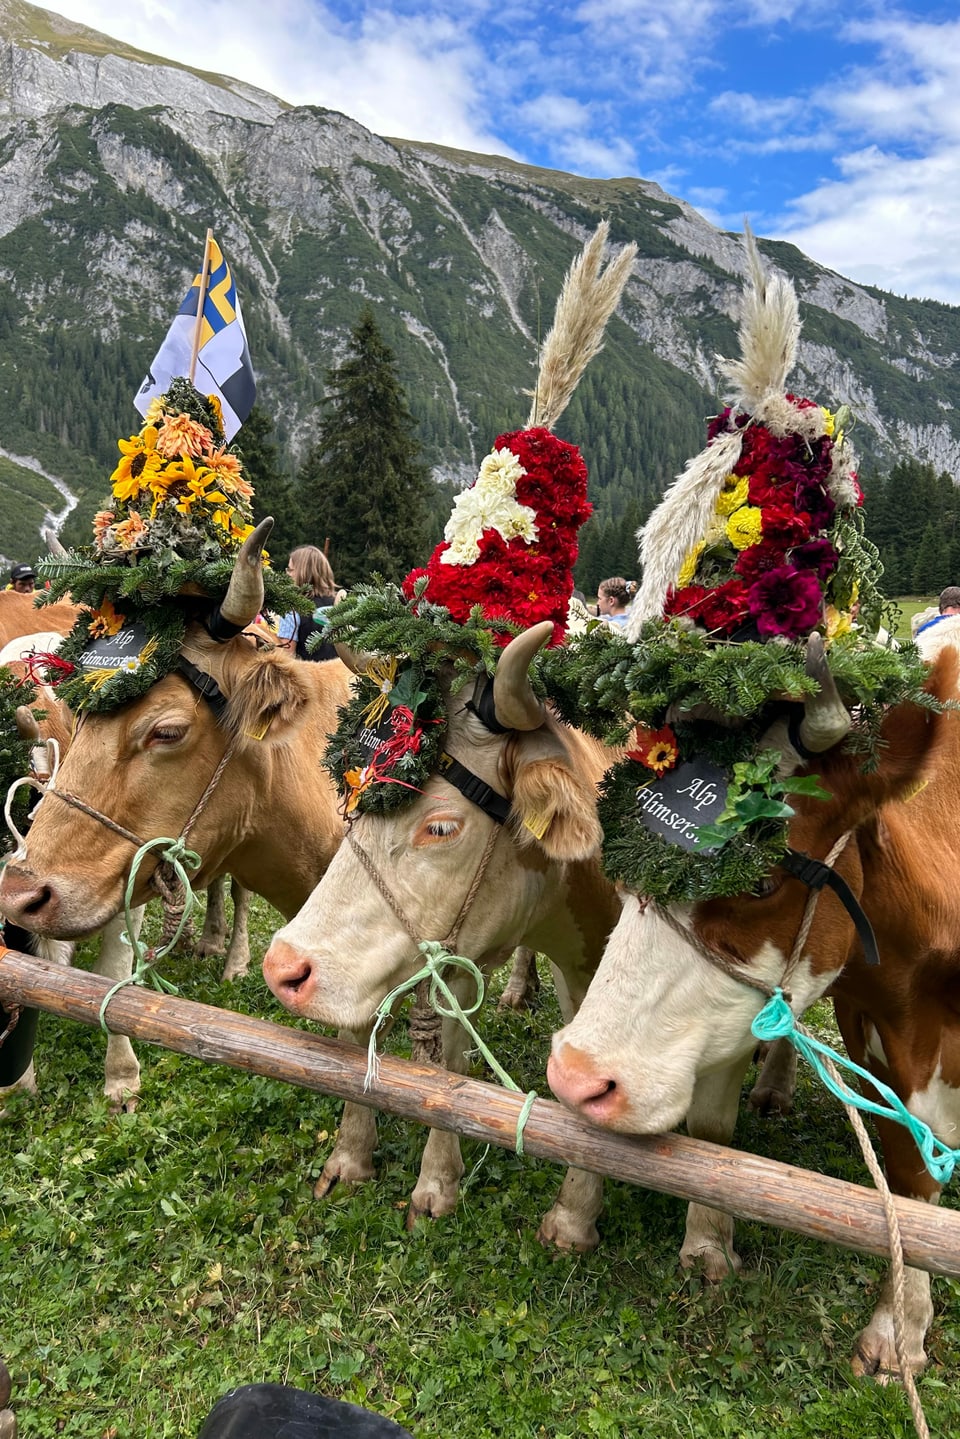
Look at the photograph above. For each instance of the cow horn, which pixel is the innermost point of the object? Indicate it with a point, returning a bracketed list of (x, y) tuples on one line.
[(354, 660), (244, 598), (826, 718), (52, 542), (27, 726), (514, 702)]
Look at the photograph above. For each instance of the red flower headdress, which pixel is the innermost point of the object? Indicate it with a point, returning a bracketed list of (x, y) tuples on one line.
[(746, 542), (511, 542)]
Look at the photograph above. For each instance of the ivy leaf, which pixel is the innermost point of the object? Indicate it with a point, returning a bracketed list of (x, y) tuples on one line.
[(808, 785), (756, 805)]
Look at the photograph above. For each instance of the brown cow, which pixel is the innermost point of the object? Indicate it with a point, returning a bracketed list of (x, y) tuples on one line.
[(20, 615), (664, 1032), (348, 947)]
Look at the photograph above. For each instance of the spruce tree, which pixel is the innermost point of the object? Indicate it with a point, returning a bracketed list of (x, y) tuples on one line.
[(363, 485), (273, 492)]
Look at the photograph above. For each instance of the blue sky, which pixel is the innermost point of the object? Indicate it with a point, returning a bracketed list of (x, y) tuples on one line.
[(835, 127)]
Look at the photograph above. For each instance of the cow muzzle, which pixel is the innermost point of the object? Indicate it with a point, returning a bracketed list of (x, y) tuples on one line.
[(41, 906)]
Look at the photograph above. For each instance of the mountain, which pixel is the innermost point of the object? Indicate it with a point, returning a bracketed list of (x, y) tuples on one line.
[(113, 163)]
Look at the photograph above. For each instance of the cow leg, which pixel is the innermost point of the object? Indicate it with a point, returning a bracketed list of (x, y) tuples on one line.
[(524, 981), (708, 1243), (572, 1222), (121, 1080), (876, 1351), (777, 1080), (350, 1161), (437, 1189), (238, 954), (214, 936)]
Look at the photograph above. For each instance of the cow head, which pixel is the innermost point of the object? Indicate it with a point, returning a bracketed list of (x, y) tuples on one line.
[(659, 1016), (146, 764), (348, 946)]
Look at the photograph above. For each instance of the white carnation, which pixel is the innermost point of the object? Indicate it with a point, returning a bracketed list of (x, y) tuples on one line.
[(489, 504)]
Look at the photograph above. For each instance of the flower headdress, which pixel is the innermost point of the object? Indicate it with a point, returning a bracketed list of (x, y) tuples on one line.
[(758, 545), (163, 551), (506, 561)]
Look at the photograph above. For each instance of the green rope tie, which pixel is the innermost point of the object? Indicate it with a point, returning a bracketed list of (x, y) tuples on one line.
[(435, 958), (776, 1020), (176, 854)]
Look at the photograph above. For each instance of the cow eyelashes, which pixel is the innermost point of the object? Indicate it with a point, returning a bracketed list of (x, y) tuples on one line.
[(165, 735), (434, 831), (766, 886)]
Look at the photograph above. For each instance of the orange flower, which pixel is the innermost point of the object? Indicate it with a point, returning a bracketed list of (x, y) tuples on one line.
[(655, 748), (229, 474), (357, 781), (130, 531), (106, 621), (102, 521), (179, 435)]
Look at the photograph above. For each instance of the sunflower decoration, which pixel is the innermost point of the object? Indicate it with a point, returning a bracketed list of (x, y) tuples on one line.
[(163, 550), (756, 546)]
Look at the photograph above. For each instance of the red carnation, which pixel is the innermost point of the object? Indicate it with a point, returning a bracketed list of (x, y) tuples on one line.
[(786, 602), (782, 525), (758, 560), (724, 608)]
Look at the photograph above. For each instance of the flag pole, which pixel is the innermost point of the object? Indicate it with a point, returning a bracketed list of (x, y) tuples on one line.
[(204, 276)]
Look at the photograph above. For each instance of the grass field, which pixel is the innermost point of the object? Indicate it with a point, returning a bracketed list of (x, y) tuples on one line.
[(151, 1261)]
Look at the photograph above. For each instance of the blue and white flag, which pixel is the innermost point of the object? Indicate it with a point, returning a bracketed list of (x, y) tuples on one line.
[(223, 365)]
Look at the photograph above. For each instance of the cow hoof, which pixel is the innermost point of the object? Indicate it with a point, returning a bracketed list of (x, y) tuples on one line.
[(342, 1171), (880, 1363), (517, 1000), (213, 945), (125, 1103), (770, 1101), (714, 1265), (559, 1230), (432, 1203)]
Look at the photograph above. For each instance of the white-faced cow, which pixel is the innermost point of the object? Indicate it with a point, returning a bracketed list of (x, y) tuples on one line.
[(529, 839), (664, 1032), (271, 821)]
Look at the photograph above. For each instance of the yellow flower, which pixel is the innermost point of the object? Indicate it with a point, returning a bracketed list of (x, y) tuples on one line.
[(217, 408), (139, 459), (828, 420), (838, 622), (155, 411), (744, 527), (733, 495), (179, 435), (105, 620), (689, 567)]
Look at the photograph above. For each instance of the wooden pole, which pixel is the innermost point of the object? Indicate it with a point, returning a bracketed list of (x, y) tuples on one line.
[(743, 1184), (204, 276)]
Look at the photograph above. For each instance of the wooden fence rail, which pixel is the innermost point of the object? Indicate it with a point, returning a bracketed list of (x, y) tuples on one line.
[(743, 1184)]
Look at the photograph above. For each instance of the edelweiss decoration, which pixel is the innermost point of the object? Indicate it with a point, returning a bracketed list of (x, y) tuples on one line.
[(758, 545), (506, 563), (163, 550)]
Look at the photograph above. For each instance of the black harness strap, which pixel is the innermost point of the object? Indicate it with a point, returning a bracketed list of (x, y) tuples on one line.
[(473, 788), (206, 685), (221, 629), (483, 706), (815, 874)]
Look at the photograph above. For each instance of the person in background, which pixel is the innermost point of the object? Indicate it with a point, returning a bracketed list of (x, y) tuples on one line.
[(613, 600), (23, 579), (949, 605), (310, 570)]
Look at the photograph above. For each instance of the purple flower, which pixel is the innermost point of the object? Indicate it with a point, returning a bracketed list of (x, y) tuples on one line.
[(786, 602), (818, 555)]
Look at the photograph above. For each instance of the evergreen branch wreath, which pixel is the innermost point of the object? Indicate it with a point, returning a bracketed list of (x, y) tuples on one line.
[(14, 751)]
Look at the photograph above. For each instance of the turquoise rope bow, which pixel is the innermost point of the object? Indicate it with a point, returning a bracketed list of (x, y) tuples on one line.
[(176, 854), (435, 959), (776, 1020)]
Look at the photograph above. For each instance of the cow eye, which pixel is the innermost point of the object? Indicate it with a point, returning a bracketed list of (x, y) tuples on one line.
[(766, 886), (438, 828), (165, 734)]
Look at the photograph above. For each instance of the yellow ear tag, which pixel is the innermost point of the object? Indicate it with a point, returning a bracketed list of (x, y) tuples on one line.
[(260, 733), (538, 823), (921, 784)]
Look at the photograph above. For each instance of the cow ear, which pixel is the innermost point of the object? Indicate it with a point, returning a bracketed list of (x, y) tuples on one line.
[(270, 698), (556, 809)]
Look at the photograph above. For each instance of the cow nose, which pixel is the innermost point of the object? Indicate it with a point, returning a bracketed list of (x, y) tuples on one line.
[(25, 899), (581, 1084), (289, 974)]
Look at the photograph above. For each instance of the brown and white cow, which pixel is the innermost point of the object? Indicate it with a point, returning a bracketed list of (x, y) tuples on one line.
[(542, 887), (664, 1032)]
